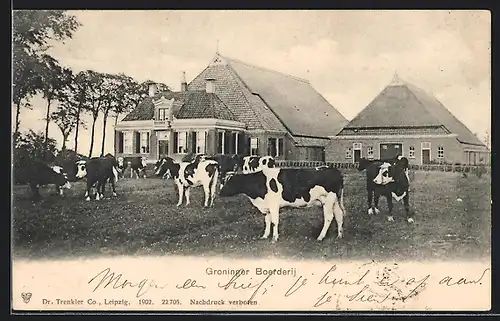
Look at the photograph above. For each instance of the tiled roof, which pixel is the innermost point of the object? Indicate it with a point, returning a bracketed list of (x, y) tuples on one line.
[(427, 130), (310, 142), (402, 104), (266, 99), (201, 104), (145, 109)]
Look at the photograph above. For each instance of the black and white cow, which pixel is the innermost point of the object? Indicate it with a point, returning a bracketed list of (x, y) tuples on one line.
[(158, 166), (387, 178), (227, 163), (275, 188), (138, 166), (98, 171), (253, 164), (41, 174), (192, 174)]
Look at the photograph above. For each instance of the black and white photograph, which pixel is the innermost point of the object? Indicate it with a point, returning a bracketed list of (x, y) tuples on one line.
[(251, 160)]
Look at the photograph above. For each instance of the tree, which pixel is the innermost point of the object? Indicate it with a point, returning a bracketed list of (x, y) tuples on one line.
[(55, 80), (66, 119), (487, 139), (78, 95), (94, 100), (31, 32)]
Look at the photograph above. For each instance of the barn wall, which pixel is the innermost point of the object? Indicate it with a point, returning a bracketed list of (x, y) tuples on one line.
[(453, 153)]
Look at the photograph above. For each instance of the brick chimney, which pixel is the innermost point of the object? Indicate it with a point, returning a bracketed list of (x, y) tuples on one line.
[(210, 85), (184, 85), (152, 89)]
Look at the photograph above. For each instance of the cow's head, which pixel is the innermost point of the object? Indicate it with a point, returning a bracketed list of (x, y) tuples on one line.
[(81, 169), (61, 177), (121, 163), (383, 176), (143, 161)]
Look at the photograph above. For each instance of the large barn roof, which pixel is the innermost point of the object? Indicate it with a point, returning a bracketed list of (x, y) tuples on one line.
[(266, 99), (402, 104)]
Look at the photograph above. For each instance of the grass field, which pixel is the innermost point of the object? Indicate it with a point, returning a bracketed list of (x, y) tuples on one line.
[(143, 219)]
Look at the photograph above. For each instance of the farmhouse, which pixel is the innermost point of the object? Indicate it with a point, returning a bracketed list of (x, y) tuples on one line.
[(405, 120), (231, 107)]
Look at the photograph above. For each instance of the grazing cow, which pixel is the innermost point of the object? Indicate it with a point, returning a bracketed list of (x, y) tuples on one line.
[(138, 165), (252, 164), (387, 178), (275, 188), (192, 174), (98, 171), (41, 174)]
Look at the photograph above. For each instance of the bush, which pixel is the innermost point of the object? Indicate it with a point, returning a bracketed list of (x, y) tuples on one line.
[(28, 148)]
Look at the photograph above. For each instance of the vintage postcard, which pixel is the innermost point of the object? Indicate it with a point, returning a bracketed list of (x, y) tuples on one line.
[(306, 161)]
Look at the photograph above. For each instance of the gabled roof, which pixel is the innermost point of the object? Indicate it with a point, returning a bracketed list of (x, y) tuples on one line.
[(402, 104), (266, 99), (187, 104)]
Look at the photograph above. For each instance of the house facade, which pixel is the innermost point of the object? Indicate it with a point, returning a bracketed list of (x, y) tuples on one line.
[(405, 120), (231, 107)]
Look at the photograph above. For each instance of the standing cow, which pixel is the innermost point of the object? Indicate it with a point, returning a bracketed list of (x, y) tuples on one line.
[(41, 174), (192, 174), (227, 163), (98, 171), (388, 178), (273, 188), (158, 166), (138, 166)]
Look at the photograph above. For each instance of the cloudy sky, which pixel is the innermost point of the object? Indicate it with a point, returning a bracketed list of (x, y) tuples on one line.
[(348, 56)]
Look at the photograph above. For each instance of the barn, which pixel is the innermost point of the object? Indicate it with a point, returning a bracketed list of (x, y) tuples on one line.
[(405, 120), (232, 107)]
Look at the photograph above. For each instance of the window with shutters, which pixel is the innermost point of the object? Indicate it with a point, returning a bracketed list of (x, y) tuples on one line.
[(137, 142), (120, 142), (275, 147), (144, 142), (181, 142), (281, 147), (162, 115), (201, 138), (127, 142), (220, 142), (254, 146)]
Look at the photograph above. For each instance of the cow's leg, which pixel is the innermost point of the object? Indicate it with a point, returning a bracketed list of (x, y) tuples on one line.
[(206, 190), (406, 201), (113, 186), (98, 188), (213, 187), (390, 218), (89, 187), (59, 190), (180, 189), (34, 190), (375, 201), (275, 217), (370, 199), (103, 187), (327, 216), (267, 231), (187, 192), (131, 172)]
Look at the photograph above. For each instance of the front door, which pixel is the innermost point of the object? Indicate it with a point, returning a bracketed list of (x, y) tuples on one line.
[(357, 155), (426, 156), (162, 148), (390, 150)]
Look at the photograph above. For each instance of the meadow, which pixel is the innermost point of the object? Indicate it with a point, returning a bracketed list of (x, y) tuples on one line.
[(452, 221)]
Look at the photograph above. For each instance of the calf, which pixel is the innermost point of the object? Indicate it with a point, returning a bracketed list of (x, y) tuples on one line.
[(387, 178), (137, 166), (192, 174), (41, 174), (275, 188), (253, 164), (98, 171)]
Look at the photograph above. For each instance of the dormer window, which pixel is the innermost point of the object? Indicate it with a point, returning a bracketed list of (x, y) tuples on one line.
[(162, 114)]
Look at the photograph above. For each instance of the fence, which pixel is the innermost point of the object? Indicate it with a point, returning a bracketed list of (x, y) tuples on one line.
[(473, 169)]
